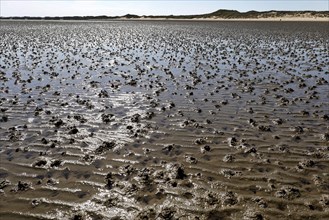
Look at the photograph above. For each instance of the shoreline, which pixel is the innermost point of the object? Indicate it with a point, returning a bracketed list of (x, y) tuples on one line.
[(313, 19)]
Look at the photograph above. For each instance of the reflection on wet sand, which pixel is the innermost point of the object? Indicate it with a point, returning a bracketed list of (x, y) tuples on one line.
[(164, 120)]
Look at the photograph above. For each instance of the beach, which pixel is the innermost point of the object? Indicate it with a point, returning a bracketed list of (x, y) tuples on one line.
[(147, 119)]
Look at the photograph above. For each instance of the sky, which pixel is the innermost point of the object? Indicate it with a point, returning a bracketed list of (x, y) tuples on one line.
[(150, 7)]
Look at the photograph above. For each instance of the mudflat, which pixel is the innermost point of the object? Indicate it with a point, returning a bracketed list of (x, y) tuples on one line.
[(164, 120)]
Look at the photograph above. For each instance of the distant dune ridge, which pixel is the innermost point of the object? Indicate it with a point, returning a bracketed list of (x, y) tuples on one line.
[(217, 15)]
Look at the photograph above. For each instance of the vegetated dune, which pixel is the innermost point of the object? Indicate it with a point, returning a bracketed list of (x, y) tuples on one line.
[(217, 15)]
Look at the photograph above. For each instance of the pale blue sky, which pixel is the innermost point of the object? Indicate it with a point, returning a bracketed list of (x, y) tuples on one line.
[(155, 7)]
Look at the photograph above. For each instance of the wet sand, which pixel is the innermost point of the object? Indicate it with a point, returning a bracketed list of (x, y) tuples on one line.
[(164, 120)]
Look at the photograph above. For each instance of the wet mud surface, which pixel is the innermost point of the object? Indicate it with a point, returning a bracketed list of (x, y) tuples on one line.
[(164, 120)]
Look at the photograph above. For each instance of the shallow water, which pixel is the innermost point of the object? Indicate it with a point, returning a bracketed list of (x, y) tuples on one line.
[(164, 120)]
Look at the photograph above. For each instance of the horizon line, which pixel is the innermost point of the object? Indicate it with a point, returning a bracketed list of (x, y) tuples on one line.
[(131, 14)]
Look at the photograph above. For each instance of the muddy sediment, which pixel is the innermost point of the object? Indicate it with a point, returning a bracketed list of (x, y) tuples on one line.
[(164, 120)]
